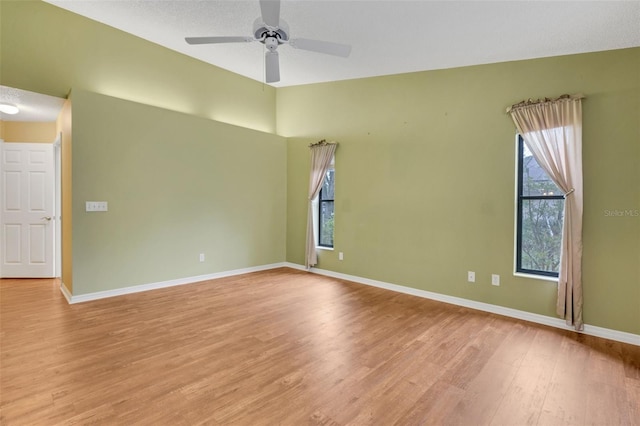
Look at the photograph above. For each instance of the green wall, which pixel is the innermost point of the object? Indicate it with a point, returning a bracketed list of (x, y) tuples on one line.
[(178, 183), (49, 50), (425, 178), (177, 186)]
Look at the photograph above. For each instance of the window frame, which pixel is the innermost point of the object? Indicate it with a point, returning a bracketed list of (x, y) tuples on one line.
[(520, 198), (319, 210)]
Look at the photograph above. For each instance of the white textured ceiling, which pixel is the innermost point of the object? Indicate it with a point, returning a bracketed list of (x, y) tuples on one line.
[(388, 37), (33, 106)]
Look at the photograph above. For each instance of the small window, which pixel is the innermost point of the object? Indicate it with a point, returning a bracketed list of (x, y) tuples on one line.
[(540, 211), (326, 210)]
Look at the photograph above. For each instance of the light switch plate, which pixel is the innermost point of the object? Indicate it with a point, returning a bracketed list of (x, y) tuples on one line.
[(96, 206)]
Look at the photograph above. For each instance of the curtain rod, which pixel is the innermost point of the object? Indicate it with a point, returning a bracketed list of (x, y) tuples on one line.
[(322, 142), (529, 102)]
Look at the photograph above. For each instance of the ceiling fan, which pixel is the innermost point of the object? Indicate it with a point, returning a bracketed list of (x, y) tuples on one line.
[(272, 31)]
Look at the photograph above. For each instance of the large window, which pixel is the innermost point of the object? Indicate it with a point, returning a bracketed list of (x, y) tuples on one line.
[(326, 209), (540, 212)]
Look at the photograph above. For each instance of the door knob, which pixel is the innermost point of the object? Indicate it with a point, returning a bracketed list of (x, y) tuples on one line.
[(46, 218)]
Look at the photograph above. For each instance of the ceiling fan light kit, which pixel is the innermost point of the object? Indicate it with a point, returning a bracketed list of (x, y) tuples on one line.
[(272, 31)]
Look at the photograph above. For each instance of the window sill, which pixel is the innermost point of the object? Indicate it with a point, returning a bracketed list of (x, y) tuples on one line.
[(536, 277), (324, 248)]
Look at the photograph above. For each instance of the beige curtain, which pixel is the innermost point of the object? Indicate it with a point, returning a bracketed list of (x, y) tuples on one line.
[(321, 156), (552, 130)]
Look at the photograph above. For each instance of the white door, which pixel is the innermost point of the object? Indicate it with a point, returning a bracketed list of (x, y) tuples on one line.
[(27, 220)]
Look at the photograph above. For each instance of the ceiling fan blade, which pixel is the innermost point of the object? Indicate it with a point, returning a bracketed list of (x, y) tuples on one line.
[(213, 40), (272, 67), (270, 12), (319, 46)]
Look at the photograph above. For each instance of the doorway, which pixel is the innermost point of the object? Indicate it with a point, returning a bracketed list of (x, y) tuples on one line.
[(30, 185)]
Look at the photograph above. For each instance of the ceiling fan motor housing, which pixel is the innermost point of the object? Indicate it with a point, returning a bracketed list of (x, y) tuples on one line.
[(271, 37)]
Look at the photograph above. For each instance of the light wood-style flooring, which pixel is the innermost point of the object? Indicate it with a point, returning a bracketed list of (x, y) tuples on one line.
[(285, 347)]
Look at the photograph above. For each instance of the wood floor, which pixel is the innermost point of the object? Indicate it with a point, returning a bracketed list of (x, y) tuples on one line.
[(284, 347)]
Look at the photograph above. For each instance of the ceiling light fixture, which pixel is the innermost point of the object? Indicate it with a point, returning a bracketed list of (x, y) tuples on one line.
[(8, 108)]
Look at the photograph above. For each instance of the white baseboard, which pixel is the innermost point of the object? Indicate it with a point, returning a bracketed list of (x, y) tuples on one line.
[(65, 292), (163, 284), (591, 330)]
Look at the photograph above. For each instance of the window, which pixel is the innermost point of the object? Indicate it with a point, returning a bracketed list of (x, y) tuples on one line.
[(325, 210), (540, 211)]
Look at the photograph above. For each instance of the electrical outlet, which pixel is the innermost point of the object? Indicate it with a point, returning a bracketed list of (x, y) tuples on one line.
[(471, 276), (201, 257), (495, 279), (340, 256)]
